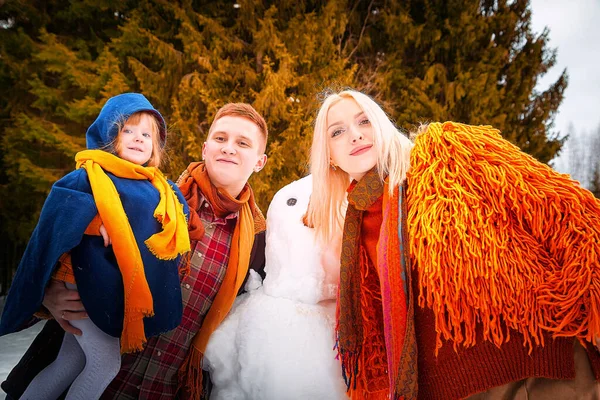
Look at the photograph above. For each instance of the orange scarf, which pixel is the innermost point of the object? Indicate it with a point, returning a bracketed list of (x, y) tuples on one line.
[(368, 337), (249, 222), (165, 245)]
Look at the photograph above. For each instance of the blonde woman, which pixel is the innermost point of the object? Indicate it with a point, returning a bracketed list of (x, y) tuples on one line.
[(468, 269)]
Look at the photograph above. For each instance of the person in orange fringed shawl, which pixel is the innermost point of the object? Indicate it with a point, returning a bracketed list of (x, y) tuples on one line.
[(468, 268)]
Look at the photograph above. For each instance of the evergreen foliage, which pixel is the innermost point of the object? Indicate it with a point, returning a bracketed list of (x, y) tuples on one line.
[(471, 61), (595, 184)]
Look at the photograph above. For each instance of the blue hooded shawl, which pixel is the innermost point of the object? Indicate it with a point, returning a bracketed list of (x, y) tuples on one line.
[(66, 214)]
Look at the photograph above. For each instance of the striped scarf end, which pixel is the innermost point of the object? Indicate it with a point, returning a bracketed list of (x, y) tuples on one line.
[(349, 361)]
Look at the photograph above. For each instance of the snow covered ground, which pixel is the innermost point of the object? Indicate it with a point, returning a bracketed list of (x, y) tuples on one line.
[(12, 348)]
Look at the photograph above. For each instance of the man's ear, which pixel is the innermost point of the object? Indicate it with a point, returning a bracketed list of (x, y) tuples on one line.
[(203, 149), (260, 164)]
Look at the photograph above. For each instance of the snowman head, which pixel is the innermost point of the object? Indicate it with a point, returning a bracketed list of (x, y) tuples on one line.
[(293, 255)]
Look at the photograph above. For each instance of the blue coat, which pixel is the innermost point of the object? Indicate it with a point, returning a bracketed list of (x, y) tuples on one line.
[(67, 212)]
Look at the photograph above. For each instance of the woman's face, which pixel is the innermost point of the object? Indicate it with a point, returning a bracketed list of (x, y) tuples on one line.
[(350, 138)]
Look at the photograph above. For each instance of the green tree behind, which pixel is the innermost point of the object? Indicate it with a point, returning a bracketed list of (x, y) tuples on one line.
[(57, 76), (471, 61), (466, 60), (595, 184), (186, 62)]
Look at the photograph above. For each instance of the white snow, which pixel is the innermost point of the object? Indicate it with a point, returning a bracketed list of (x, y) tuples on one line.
[(12, 347)]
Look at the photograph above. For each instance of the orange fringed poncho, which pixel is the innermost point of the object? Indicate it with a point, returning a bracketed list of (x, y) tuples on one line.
[(498, 236)]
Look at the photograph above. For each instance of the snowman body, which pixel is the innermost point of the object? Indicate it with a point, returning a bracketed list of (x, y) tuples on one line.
[(278, 340)]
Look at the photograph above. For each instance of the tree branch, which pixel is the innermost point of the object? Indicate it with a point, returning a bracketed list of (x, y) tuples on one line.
[(362, 31)]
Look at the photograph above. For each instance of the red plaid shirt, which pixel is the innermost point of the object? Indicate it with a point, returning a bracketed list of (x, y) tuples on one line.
[(152, 373)]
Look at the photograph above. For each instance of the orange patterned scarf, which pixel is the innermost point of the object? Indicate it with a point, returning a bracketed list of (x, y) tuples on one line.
[(364, 341)]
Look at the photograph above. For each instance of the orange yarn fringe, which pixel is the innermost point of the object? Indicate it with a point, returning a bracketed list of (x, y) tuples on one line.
[(500, 239)]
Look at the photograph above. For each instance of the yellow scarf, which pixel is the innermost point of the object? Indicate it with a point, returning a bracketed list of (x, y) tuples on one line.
[(165, 245)]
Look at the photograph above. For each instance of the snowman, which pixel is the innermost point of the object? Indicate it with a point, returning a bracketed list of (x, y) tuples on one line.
[(277, 342)]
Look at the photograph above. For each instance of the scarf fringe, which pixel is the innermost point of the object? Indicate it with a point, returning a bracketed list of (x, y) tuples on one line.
[(367, 361), (348, 359), (350, 368), (158, 251), (373, 359), (173, 240), (133, 337), (190, 375), (500, 239), (185, 265)]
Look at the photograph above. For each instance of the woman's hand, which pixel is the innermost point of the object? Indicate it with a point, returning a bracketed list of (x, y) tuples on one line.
[(330, 260), (64, 305)]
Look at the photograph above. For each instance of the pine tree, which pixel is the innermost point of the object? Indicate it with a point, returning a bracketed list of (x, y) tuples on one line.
[(188, 59), (57, 76), (274, 56), (470, 61), (595, 184), (426, 60), (594, 161)]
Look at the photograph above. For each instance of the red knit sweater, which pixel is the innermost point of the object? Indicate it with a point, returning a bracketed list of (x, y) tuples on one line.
[(456, 375), (453, 375)]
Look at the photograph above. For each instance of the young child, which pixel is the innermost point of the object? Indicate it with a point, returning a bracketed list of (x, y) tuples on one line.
[(130, 290)]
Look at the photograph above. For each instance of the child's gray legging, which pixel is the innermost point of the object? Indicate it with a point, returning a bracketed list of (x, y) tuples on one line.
[(88, 363)]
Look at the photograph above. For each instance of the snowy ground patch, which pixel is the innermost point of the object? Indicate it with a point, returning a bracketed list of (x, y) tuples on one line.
[(12, 347)]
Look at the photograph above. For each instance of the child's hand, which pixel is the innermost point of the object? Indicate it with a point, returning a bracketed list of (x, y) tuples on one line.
[(64, 305), (105, 236)]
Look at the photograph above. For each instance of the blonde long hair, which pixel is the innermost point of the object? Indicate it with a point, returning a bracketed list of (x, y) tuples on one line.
[(328, 200)]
